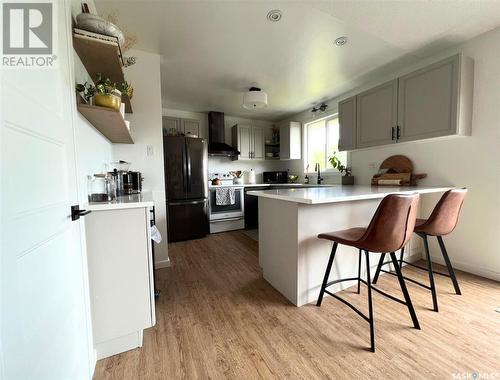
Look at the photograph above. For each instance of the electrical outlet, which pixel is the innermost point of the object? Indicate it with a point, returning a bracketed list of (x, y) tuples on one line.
[(150, 150), (372, 165)]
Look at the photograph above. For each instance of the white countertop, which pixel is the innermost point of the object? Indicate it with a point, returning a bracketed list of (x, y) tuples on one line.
[(144, 199), (338, 193)]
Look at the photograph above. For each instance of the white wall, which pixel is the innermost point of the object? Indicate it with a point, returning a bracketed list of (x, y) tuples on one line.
[(145, 126), (472, 162), (94, 150), (224, 164)]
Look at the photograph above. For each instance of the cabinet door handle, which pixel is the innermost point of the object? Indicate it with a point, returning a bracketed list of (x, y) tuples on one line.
[(398, 133), (392, 133)]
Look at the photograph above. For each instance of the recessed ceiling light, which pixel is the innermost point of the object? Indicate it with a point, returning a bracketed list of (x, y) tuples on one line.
[(341, 41), (274, 15)]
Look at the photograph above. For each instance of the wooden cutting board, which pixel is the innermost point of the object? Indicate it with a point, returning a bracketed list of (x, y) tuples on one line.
[(396, 170)]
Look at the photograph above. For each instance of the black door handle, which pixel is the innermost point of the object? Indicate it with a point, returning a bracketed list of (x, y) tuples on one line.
[(76, 212), (392, 133), (398, 132)]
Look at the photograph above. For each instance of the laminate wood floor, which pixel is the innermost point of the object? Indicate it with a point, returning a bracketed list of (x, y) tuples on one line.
[(217, 318)]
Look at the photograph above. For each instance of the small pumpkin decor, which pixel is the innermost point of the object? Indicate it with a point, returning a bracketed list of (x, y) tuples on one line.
[(105, 93)]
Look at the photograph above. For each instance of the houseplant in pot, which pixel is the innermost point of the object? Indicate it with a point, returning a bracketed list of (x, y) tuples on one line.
[(347, 178), (105, 93)]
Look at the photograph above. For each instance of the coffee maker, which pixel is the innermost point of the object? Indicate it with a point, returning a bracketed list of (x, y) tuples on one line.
[(127, 181)]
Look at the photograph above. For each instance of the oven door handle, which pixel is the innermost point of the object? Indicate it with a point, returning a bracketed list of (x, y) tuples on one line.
[(225, 220), (187, 202)]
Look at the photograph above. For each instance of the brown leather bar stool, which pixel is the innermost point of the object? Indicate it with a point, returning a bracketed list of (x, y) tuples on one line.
[(442, 221), (389, 230)]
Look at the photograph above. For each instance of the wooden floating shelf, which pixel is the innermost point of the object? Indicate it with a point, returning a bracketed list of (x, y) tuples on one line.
[(107, 121), (100, 54)]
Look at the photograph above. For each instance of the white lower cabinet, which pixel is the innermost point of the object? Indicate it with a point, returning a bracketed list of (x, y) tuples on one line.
[(120, 278)]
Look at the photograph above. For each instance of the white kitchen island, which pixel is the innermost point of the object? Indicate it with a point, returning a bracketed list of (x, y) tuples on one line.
[(292, 258)]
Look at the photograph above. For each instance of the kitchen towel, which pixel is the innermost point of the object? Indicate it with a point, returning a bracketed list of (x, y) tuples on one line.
[(224, 196), (155, 234)]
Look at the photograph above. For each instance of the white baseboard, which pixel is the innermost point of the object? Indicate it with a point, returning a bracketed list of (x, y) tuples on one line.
[(116, 346), (483, 272), (162, 264)]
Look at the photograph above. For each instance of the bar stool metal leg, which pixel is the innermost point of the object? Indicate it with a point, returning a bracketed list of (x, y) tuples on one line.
[(448, 264), (402, 284), (401, 257), (431, 275), (359, 271), (379, 267), (370, 303), (327, 274)]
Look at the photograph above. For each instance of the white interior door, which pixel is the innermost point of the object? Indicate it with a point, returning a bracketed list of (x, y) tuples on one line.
[(44, 327)]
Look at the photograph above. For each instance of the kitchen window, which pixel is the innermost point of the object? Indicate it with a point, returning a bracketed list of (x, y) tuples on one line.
[(321, 140)]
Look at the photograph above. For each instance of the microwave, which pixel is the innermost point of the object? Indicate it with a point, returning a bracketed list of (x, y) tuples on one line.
[(275, 177)]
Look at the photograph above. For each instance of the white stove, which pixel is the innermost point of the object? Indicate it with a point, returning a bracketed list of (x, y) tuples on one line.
[(225, 217), (226, 179)]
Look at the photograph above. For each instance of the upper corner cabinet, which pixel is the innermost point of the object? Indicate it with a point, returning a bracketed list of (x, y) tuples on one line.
[(290, 141), (347, 124), (376, 115), (436, 100)]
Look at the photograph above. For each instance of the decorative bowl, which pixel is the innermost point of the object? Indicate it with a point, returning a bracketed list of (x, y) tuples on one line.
[(293, 178), (96, 24)]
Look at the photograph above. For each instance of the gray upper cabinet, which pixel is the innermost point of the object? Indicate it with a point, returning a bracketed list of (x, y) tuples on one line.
[(249, 141), (376, 115), (347, 124), (183, 126), (429, 101), (258, 143), (242, 141), (191, 127), (170, 124), (290, 141)]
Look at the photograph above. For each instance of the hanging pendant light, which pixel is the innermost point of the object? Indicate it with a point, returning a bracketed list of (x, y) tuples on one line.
[(254, 98)]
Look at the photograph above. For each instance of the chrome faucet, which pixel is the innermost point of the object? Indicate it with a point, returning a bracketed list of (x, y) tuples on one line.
[(318, 169)]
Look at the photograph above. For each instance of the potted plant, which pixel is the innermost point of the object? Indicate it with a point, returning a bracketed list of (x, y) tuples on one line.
[(347, 178), (105, 93)]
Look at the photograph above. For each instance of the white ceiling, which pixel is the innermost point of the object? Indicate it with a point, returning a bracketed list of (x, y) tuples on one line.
[(213, 51)]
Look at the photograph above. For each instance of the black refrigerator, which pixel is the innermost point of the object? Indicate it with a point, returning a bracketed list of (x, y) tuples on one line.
[(186, 182)]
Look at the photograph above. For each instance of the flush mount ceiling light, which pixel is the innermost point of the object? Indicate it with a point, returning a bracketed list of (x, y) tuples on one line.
[(254, 98), (341, 41), (274, 15)]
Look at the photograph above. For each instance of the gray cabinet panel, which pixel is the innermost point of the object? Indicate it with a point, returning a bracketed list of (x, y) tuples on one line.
[(428, 100), (191, 127), (242, 141), (170, 123), (347, 124), (258, 141), (376, 115), (290, 141)]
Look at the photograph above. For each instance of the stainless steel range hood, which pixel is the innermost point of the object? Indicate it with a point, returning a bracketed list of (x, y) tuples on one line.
[(216, 136)]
